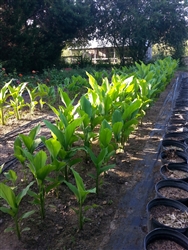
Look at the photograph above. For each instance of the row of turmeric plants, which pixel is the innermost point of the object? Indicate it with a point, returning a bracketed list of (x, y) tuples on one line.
[(106, 113)]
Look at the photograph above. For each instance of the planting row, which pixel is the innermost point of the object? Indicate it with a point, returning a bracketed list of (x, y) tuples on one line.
[(168, 214), (12, 94), (104, 116)]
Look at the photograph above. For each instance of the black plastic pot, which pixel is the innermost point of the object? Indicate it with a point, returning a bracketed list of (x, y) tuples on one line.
[(182, 157), (178, 136), (171, 167), (175, 184), (153, 223), (166, 234), (175, 144)]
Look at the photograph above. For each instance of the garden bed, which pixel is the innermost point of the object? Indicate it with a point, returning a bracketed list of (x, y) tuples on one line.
[(119, 209)]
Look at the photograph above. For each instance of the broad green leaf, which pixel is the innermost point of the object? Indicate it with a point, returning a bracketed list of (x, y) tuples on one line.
[(117, 128), (70, 129), (43, 172), (93, 83), (53, 147), (11, 175), (63, 118), (91, 154), (64, 97), (101, 157), (28, 142), (18, 153), (105, 124), (32, 194), (30, 158), (40, 160), (8, 195), (54, 129), (34, 132), (23, 193), (131, 108), (86, 106), (105, 136), (7, 211), (116, 117), (73, 189)]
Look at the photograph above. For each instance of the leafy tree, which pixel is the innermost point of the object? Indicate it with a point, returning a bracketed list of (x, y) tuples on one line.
[(133, 25), (33, 33)]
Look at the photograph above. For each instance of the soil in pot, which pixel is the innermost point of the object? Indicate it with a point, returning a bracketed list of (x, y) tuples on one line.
[(169, 216), (173, 156), (173, 189), (167, 213), (165, 239), (175, 171), (164, 245)]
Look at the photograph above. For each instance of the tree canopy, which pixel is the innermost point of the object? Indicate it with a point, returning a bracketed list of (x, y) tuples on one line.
[(133, 25), (33, 33)]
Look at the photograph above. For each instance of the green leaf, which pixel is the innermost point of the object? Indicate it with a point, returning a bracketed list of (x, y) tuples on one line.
[(11, 175), (27, 214), (43, 172), (101, 157), (18, 153), (93, 83), (116, 117), (56, 132), (8, 195), (93, 157), (64, 98), (73, 189), (1, 168), (7, 211), (28, 142), (117, 128), (39, 160), (70, 129), (131, 108), (25, 229), (9, 229), (34, 132), (53, 147), (105, 124), (63, 118), (105, 136), (32, 194), (106, 168), (23, 193), (86, 106)]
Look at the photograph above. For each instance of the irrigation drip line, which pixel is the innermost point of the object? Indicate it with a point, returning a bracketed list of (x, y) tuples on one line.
[(10, 162), (22, 129), (25, 128)]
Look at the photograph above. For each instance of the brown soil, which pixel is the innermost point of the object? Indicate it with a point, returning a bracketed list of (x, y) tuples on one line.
[(176, 174), (59, 230), (169, 216), (173, 193), (164, 245)]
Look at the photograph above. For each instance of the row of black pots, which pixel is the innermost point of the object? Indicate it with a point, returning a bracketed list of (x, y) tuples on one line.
[(161, 233)]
